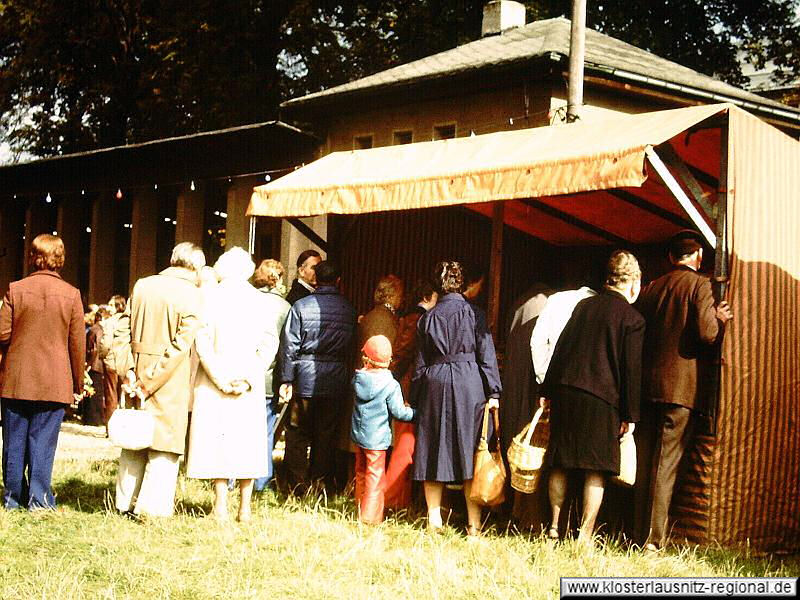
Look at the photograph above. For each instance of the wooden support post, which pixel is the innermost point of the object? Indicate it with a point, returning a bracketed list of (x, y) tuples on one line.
[(12, 246), (144, 242), (721, 256), (37, 220), (496, 265), (190, 210), (719, 283), (71, 224), (307, 231), (101, 249), (295, 239), (237, 224)]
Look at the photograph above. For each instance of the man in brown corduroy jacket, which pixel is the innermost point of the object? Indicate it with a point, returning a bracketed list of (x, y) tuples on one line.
[(42, 334), (682, 325)]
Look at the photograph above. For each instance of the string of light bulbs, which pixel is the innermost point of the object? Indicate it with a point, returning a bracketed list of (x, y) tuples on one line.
[(553, 115), (193, 183)]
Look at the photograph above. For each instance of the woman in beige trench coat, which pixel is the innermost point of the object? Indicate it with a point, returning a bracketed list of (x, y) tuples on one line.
[(228, 436)]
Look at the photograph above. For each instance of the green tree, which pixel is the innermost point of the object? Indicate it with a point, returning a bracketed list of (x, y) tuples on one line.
[(84, 74), (92, 73), (708, 35)]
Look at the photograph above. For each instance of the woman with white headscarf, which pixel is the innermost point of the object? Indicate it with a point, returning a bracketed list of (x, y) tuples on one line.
[(229, 424)]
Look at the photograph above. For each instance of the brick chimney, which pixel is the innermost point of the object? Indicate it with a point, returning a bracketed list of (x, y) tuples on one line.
[(500, 15)]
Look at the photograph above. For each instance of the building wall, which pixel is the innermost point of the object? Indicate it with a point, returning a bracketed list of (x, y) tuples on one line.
[(471, 110), (513, 102), (600, 101)]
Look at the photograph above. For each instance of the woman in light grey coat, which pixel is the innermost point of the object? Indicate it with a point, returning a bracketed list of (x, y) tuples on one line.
[(268, 279)]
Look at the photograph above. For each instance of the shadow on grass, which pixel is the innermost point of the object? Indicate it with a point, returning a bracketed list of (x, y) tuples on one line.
[(80, 495), (193, 508), (313, 500)]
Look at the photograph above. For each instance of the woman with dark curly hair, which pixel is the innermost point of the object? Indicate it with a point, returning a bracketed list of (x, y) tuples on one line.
[(398, 471), (455, 374)]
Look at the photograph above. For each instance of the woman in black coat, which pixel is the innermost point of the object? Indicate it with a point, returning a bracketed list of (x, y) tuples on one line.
[(455, 374), (593, 384)]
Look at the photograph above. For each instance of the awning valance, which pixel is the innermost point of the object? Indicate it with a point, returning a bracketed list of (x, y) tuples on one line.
[(600, 154)]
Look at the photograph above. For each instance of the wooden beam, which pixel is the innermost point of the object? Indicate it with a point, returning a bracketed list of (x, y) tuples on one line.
[(576, 222), (496, 265), (721, 256), (651, 208), (673, 186), (671, 158), (703, 177), (308, 232)]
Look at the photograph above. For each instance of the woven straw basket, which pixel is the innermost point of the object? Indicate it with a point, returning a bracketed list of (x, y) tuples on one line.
[(524, 459)]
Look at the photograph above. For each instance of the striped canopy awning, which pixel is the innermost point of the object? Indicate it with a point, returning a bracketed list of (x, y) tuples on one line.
[(550, 175)]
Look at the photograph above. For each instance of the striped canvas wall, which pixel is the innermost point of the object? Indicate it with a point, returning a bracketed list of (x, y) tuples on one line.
[(754, 494)]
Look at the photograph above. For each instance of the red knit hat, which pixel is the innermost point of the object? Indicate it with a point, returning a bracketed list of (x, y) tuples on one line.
[(378, 351)]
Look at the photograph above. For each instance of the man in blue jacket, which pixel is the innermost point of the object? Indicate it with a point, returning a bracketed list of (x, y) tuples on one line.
[(315, 356)]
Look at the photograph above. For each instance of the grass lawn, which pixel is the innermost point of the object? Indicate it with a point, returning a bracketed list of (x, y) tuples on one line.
[(293, 549)]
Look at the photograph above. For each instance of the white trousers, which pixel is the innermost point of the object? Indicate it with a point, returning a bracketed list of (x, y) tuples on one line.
[(146, 482)]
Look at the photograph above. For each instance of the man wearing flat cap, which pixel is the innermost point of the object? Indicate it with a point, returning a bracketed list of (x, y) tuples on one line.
[(683, 323)]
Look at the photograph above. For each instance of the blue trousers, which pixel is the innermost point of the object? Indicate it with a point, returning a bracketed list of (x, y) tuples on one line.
[(30, 436), (273, 410)]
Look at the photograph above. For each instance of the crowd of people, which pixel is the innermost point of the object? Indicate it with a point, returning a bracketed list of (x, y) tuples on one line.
[(392, 400)]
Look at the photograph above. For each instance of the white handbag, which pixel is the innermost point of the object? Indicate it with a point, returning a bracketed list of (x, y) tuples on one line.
[(627, 461), (131, 429)]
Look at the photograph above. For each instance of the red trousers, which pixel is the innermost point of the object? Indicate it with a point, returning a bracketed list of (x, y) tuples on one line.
[(398, 474), (370, 471)]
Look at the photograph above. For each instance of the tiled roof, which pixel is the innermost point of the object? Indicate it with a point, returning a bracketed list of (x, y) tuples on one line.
[(540, 39)]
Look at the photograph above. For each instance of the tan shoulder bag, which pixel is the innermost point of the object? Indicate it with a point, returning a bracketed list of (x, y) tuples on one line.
[(489, 478)]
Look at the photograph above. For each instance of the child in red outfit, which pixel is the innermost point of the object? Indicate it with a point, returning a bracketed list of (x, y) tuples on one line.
[(378, 398)]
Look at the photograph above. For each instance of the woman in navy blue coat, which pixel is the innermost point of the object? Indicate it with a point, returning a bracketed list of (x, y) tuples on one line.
[(455, 375)]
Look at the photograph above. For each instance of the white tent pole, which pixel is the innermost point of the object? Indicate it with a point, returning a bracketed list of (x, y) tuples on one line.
[(680, 196), (577, 50), (251, 236)]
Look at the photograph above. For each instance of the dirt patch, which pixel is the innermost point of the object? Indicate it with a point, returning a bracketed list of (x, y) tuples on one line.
[(78, 441), (85, 441)]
